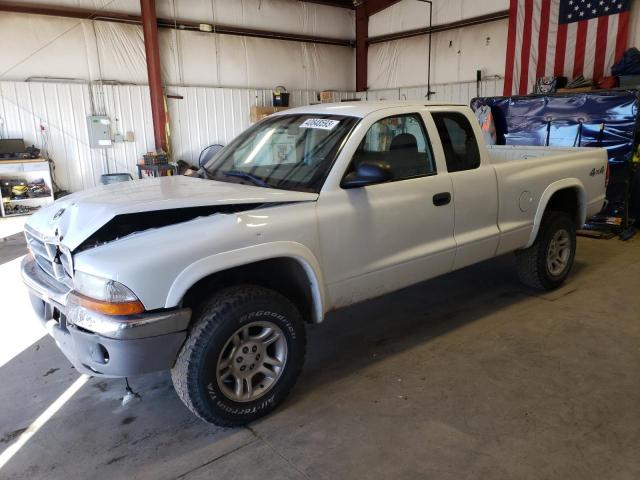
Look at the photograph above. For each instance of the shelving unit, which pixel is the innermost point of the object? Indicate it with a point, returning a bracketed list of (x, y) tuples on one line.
[(26, 170)]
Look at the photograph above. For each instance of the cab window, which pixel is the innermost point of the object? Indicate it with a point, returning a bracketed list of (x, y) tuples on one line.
[(402, 142), (458, 141)]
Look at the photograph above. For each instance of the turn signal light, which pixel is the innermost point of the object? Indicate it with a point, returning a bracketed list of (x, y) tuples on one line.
[(125, 308)]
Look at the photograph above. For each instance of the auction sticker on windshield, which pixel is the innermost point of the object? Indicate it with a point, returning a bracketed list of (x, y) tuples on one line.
[(321, 123)]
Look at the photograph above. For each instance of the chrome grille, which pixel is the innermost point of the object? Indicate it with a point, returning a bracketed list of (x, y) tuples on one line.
[(50, 257)]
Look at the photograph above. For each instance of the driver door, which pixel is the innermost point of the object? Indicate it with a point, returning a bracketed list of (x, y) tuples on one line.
[(383, 237)]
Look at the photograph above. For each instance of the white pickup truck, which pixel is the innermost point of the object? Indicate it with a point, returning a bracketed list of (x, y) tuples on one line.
[(310, 210)]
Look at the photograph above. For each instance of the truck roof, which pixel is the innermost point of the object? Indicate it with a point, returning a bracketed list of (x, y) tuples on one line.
[(361, 109)]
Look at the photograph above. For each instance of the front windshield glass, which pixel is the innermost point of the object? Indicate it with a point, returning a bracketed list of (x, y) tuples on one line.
[(292, 152)]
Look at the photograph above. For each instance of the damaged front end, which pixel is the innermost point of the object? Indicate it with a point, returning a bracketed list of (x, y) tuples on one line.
[(99, 324), (99, 343), (126, 224), (106, 307)]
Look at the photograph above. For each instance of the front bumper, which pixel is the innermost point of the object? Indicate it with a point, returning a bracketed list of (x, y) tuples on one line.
[(102, 345)]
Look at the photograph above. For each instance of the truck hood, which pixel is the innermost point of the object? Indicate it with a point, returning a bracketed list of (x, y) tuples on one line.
[(74, 218)]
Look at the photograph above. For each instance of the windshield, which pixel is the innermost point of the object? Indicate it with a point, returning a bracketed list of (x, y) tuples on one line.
[(291, 152)]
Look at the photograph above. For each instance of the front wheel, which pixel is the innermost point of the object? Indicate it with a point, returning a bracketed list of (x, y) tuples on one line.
[(546, 263), (242, 356)]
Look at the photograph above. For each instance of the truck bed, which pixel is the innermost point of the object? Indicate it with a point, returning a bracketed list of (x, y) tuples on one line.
[(527, 176), (505, 153)]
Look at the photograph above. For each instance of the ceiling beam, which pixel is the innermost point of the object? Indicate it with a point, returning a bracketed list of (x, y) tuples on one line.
[(333, 3), (375, 6), (468, 22), (92, 14)]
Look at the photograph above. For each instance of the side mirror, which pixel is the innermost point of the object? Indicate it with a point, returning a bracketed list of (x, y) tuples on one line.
[(208, 153), (368, 173)]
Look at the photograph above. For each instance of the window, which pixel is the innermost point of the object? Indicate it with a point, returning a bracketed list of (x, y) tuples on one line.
[(292, 152), (458, 141), (402, 142)]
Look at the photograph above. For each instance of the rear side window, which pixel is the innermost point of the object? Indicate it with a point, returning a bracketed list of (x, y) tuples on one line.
[(458, 141)]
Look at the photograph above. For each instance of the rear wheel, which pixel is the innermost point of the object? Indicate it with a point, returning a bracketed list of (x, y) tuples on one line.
[(242, 356), (547, 263)]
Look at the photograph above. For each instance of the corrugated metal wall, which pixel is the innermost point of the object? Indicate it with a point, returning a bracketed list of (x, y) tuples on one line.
[(53, 117), (203, 116), (461, 92), (129, 108)]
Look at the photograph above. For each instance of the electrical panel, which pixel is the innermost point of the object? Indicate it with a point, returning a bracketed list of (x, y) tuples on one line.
[(99, 127)]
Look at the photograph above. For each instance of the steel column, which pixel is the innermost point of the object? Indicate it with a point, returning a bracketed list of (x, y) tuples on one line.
[(364, 9), (362, 33), (152, 51)]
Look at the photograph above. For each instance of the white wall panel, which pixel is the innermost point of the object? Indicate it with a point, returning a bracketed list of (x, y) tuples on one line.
[(129, 109), (38, 46), (456, 54), (123, 6), (411, 14), (205, 116), (455, 57), (281, 15), (120, 51), (33, 47), (204, 59), (461, 92), (202, 117), (59, 108), (457, 92)]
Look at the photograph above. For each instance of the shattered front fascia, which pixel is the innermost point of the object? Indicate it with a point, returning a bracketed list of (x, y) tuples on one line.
[(126, 224)]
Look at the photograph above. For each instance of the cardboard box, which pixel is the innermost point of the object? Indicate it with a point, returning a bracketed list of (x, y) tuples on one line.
[(258, 113), (329, 96)]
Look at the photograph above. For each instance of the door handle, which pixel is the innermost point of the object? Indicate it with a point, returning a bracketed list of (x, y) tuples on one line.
[(440, 199)]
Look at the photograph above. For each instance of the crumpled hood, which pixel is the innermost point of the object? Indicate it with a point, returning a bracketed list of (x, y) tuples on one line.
[(75, 217)]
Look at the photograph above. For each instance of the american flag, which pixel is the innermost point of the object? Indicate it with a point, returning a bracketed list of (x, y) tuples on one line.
[(563, 37)]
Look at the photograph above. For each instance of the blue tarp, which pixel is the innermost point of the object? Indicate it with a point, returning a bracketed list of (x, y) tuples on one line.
[(568, 120)]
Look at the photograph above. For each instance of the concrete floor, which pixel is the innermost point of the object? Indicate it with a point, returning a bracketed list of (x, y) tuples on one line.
[(466, 376)]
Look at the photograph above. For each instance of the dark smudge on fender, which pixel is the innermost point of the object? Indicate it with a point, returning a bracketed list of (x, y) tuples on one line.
[(126, 224)]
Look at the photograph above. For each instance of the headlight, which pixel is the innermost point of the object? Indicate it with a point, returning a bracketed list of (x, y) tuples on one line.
[(104, 295)]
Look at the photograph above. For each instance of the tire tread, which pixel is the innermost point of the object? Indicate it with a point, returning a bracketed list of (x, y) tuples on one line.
[(531, 261), (212, 314)]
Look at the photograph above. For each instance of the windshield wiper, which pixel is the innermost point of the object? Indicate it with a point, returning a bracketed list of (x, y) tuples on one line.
[(248, 176)]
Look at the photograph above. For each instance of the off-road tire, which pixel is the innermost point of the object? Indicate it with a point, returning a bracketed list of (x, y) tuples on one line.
[(532, 262), (215, 321)]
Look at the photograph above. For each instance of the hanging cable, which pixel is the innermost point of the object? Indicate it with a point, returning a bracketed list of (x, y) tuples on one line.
[(178, 62), (215, 41)]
